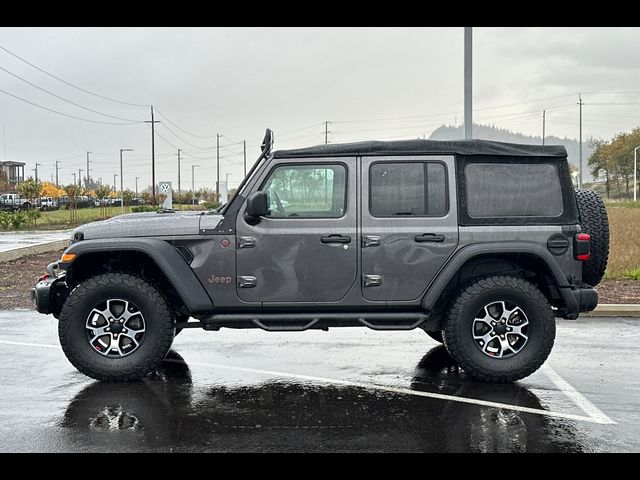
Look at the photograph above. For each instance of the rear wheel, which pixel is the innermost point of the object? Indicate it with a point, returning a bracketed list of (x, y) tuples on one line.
[(500, 329), (115, 327)]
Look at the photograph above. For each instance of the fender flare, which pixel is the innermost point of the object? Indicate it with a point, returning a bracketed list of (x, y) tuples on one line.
[(164, 255), (462, 255)]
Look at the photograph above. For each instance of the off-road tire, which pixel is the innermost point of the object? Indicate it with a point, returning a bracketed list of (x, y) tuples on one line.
[(595, 222), (158, 335), (458, 335), (437, 336)]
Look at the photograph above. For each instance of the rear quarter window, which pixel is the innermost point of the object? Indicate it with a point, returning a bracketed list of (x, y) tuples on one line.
[(499, 190)]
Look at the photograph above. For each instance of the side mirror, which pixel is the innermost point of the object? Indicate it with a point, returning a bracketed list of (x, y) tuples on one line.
[(257, 206)]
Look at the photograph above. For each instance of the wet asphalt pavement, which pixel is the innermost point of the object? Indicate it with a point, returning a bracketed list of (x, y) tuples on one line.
[(349, 389)]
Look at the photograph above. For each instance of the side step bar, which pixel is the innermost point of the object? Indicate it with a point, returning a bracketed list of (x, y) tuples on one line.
[(298, 322)]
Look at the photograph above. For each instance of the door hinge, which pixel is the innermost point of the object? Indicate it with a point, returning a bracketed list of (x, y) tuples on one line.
[(371, 241), (371, 280), (246, 281), (246, 242)]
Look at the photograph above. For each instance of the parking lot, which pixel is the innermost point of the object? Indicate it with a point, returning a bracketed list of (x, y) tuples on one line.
[(343, 390)]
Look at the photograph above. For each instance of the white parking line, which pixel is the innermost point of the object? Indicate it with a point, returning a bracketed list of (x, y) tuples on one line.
[(594, 414), (576, 397), (23, 344), (405, 391)]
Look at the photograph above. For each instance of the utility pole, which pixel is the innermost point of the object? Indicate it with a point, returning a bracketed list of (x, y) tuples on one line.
[(217, 166), (468, 90), (37, 165), (87, 182), (179, 150), (193, 186), (114, 181), (326, 133), (544, 120), (4, 142), (580, 146), (80, 177), (137, 187), (57, 162), (153, 156), (121, 176), (244, 144), (74, 177)]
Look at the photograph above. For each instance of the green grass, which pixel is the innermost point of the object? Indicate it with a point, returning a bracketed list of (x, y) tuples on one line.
[(622, 204), (61, 219), (631, 274)]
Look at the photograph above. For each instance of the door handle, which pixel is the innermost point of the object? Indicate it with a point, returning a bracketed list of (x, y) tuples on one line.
[(335, 238), (429, 237)]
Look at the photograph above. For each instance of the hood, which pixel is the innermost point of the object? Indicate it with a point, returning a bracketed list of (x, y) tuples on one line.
[(148, 224)]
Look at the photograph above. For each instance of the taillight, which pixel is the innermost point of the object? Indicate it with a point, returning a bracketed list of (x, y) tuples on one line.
[(582, 247), (42, 278)]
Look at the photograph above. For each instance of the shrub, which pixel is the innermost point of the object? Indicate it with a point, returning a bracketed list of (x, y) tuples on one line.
[(144, 208), (18, 219), (5, 220), (211, 205)]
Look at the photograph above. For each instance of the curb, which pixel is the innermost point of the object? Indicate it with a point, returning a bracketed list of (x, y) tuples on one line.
[(33, 249), (614, 310)]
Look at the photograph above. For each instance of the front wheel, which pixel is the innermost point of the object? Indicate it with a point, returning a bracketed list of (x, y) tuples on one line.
[(500, 329), (115, 327)]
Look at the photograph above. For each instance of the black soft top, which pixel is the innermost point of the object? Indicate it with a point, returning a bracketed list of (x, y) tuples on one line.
[(418, 146)]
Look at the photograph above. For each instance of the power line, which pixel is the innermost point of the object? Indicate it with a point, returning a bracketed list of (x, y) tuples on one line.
[(182, 129), (65, 114), (186, 141), (65, 99), (69, 83)]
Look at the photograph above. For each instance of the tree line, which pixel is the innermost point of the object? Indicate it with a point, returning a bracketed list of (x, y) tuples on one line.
[(612, 163)]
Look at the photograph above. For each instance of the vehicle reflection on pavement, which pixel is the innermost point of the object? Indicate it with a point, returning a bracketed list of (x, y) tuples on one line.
[(168, 412)]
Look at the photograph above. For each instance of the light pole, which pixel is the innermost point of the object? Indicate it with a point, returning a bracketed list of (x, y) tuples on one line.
[(193, 188), (137, 186), (635, 173), (121, 189), (468, 89)]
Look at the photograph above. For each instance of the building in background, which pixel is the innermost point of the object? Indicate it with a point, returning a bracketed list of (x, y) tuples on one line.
[(11, 173)]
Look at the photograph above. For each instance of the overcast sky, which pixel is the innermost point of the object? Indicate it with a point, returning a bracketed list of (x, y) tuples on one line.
[(370, 83)]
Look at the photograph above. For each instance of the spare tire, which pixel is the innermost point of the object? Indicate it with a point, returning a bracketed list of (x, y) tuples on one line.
[(594, 221)]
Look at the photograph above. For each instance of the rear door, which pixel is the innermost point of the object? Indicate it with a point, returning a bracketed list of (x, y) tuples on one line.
[(409, 224)]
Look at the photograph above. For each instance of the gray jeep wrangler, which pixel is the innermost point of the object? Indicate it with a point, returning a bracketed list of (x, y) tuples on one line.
[(480, 244)]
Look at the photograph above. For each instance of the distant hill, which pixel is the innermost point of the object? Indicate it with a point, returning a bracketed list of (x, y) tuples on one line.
[(489, 132)]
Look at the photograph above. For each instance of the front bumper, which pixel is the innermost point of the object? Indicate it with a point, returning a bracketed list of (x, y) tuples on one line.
[(49, 294)]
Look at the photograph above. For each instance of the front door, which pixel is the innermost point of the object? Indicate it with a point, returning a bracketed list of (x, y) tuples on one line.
[(305, 250), (409, 224)]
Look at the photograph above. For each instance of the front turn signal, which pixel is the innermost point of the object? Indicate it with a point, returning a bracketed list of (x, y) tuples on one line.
[(68, 257)]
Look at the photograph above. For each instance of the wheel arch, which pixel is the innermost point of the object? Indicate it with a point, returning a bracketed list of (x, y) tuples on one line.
[(152, 259), (520, 259)]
